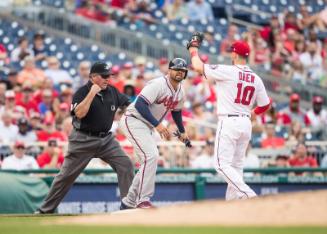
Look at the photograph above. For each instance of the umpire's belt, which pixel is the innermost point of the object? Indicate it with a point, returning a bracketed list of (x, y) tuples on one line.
[(95, 134), (241, 115), (234, 115)]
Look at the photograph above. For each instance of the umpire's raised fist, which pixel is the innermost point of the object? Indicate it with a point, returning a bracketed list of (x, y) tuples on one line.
[(195, 40)]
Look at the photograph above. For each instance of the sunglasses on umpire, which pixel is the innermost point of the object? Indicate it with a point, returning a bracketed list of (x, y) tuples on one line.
[(104, 76)]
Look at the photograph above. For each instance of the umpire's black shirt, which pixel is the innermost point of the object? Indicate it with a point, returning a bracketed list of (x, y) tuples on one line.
[(102, 110)]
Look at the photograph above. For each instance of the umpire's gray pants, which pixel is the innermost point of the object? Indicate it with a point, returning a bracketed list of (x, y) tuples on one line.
[(81, 149)]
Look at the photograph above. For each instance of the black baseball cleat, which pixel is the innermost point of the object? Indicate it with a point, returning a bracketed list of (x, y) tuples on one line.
[(123, 206)]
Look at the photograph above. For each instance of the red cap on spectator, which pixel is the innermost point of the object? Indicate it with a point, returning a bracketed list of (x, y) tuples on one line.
[(48, 120), (294, 97), (241, 48), (19, 144), (63, 106), (317, 99), (2, 49), (128, 65), (204, 58), (163, 61), (115, 69)]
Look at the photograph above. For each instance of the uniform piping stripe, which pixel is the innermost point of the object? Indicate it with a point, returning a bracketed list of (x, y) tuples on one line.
[(242, 69), (145, 99), (177, 93), (204, 73), (141, 186), (163, 116), (219, 167), (172, 93)]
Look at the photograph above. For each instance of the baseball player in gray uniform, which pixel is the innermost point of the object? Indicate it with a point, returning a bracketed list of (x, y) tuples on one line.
[(141, 118)]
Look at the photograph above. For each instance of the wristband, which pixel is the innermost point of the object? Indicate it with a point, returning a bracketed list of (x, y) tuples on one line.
[(194, 53)]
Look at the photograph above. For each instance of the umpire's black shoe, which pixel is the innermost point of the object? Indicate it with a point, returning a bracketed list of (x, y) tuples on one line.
[(123, 206), (38, 212)]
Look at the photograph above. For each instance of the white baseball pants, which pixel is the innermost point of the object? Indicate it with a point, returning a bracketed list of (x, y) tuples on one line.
[(232, 139), (145, 147)]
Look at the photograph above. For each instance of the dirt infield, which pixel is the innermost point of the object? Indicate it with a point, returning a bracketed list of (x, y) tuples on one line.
[(293, 209)]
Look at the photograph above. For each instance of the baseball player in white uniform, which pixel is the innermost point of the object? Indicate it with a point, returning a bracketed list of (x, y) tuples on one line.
[(238, 89), (157, 98)]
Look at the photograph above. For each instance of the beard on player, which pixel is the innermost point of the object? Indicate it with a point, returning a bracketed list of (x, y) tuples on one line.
[(177, 75)]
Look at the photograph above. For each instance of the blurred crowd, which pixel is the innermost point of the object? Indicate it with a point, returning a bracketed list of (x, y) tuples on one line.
[(141, 11), (35, 114), (289, 47), (35, 102)]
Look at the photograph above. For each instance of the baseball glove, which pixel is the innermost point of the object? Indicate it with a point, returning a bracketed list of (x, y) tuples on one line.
[(195, 40)]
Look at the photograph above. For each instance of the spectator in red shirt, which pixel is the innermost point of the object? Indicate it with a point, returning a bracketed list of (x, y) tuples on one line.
[(301, 158), (293, 112), (3, 55), (25, 99), (52, 156), (272, 141), (49, 131), (291, 22), (46, 84), (62, 113), (118, 3), (118, 81), (92, 11)]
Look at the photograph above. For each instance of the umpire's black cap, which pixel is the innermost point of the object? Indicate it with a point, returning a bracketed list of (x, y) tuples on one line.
[(101, 68)]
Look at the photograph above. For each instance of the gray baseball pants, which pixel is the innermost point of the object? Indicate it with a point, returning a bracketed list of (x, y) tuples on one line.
[(81, 149), (145, 147)]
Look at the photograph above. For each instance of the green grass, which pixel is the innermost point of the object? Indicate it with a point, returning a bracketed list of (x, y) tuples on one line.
[(34, 225)]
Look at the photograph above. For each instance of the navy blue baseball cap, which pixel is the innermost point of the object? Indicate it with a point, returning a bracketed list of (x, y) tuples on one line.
[(101, 68)]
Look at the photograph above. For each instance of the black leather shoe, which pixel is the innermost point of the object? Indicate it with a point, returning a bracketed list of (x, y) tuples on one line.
[(39, 212)]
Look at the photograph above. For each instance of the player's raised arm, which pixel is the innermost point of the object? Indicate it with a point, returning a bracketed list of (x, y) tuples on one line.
[(193, 46)]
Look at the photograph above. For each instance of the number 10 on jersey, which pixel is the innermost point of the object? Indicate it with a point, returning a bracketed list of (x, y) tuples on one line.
[(244, 94)]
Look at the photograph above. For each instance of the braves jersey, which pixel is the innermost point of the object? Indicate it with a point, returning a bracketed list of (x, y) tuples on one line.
[(238, 88), (161, 97)]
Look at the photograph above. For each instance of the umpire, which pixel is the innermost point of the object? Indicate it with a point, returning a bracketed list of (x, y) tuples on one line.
[(93, 109)]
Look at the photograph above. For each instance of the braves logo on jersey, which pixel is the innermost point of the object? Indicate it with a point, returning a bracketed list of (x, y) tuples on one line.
[(168, 102)]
